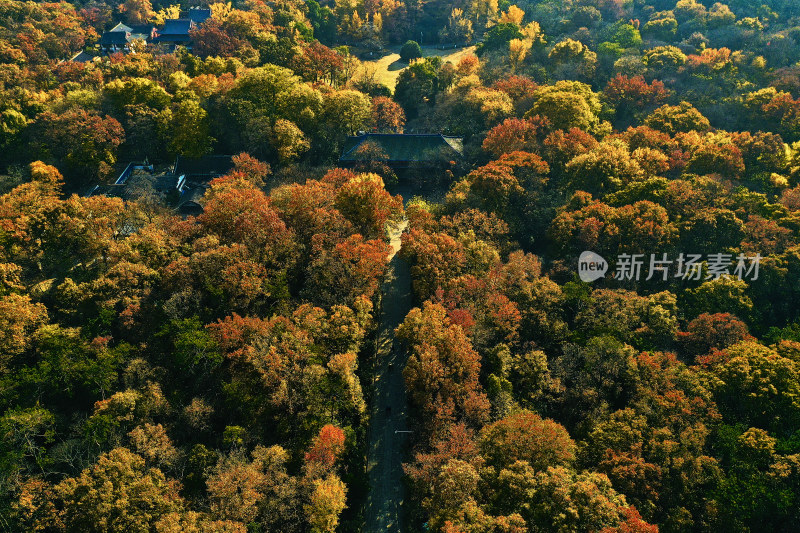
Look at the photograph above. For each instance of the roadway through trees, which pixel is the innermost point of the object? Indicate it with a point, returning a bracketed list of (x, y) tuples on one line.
[(386, 498)]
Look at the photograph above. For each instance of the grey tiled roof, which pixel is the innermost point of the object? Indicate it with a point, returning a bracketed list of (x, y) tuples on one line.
[(404, 148)]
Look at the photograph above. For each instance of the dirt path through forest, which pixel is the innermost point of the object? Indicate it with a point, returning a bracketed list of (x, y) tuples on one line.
[(386, 498)]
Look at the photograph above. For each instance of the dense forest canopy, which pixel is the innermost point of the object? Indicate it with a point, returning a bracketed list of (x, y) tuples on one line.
[(214, 371)]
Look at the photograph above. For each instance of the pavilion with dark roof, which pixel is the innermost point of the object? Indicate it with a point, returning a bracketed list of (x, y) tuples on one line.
[(402, 150), (204, 168), (181, 186), (175, 32), (199, 15), (114, 41), (82, 57)]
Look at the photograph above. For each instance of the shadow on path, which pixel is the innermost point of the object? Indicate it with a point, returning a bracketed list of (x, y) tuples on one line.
[(385, 501), (397, 65)]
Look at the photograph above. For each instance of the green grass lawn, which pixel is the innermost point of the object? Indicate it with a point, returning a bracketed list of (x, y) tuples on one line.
[(386, 69)]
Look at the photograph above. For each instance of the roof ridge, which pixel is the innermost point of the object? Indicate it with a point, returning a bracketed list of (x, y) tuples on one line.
[(402, 134), (119, 25)]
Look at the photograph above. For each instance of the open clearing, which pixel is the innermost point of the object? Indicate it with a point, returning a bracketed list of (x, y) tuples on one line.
[(387, 68)]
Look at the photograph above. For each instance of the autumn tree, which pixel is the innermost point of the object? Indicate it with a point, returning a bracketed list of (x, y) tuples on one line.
[(589, 499), (442, 370), (137, 11), (320, 63), (606, 168), (633, 96), (635, 228), (243, 217), (387, 116), (757, 385), (346, 271), (117, 493), (328, 500), (681, 118), (186, 129), (572, 59), (458, 29), (567, 104), (255, 489), (417, 86), (20, 318), (712, 331), (36, 35), (364, 201), (410, 51), (514, 134), (215, 38), (288, 140), (251, 169), (525, 436), (436, 258), (83, 144), (327, 446)]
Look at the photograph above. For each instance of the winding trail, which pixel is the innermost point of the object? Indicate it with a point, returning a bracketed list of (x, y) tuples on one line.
[(385, 501)]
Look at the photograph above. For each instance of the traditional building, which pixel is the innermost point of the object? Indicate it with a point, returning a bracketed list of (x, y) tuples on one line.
[(175, 33), (180, 187), (118, 38), (199, 15), (114, 41), (402, 150), (203, 169), (82, 57)]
